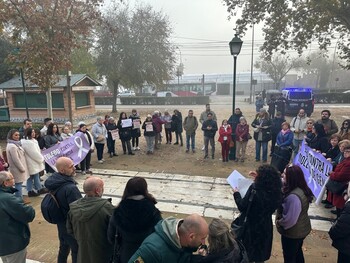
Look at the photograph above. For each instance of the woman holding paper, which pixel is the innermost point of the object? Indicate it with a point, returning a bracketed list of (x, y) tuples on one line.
[(258, 235), (292, 219), (149, 133), (125, 127), (135, 132)]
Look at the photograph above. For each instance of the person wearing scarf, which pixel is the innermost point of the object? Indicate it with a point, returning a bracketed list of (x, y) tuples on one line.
[(16, 160)]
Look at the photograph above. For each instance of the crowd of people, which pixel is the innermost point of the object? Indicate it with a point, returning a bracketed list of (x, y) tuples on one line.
[(134, 231)]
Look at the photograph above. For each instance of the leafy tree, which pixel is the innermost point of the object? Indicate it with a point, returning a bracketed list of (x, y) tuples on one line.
[(133, 48), (5, 49), (45, 33), (83, 62), (295, 24), (277, 68)]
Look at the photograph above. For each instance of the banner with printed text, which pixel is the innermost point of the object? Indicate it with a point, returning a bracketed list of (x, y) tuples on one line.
[(316, 168), (75, 148)]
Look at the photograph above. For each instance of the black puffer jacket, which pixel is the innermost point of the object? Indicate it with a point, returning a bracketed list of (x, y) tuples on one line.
[(340, 231), (134, 220)]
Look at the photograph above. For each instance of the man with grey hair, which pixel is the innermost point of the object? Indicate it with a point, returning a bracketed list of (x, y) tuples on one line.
[(99, 132), (174, 240), (14, 228), (88, 220)]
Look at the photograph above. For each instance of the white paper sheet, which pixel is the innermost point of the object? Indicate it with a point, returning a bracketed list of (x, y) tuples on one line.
[(237, 180), (126, 123)]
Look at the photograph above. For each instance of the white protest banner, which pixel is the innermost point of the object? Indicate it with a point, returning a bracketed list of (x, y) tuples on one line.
[(237, 180), (316, 168), (75, 147), (126, 123), (115, 134)]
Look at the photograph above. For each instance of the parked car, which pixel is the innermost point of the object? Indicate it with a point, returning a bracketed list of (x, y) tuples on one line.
[(126, 93)]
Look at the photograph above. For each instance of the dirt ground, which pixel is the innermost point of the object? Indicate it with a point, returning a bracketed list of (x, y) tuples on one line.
[(173, 159)]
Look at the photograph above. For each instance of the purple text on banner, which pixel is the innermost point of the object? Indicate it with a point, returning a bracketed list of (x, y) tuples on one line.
[(315, 166), (75, 148)]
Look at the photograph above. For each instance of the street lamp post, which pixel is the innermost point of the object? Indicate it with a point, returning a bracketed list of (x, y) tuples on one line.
[(235, 48)]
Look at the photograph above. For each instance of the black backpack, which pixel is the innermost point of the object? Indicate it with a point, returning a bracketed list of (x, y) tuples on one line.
[(50, 208)]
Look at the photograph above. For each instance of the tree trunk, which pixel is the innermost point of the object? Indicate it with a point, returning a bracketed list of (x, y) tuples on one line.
[(49, 103), (115, 92)]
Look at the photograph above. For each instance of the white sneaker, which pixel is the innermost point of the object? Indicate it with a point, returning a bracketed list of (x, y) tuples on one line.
[(203, 148), (138, 148), (100, 161), (133, 148)]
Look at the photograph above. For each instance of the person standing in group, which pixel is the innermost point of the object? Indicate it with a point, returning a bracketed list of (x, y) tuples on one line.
[(329, 125), (258, 236), (52, 136), (340, 174), (66, 133), (345, 130), (111, 127), (16, 160), (158, 122), (190, 126), (174, 240), (99, 132), (87, 222), (281, 105), (47, 122), (298, 127), (276, 126), (320, 140), (242, 137), (125, 126), (35, 163), (259, 104), (150, 133), (262, 134), (210, 128), (204, 116), (85, 163), (340, 232), (272, 106), (292, 219), (234, 121), (66, 192), (223, 248), (27, 123), (225, 132), (134, 218), (136, 131), (15, 216), (176, 121), (167, 126)]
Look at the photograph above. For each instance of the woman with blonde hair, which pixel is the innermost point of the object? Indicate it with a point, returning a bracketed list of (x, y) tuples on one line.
[(222, 244)]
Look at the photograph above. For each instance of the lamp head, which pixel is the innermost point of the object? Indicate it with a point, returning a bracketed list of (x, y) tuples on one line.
[(235, 45)]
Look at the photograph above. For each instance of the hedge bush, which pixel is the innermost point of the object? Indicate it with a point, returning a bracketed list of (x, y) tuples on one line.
[(5, 127)]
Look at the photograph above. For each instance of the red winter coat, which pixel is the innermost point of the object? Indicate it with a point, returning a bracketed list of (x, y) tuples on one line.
[(226, 133), (340, 174)]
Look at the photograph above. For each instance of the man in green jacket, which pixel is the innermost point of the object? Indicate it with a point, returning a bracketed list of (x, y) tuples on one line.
[(174, 240), (190, 125), (15, 216), (88, 220)]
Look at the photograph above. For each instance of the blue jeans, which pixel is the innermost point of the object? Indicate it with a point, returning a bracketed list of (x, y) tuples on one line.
[(18, 186), (193, 141), (258, 146), (37, 184), (297, 144)]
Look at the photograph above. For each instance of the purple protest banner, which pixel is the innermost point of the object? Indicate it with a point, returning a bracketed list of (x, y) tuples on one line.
[(316, 169), (75, 148)]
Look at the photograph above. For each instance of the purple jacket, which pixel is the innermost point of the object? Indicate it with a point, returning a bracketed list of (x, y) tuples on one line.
[(158, 123)]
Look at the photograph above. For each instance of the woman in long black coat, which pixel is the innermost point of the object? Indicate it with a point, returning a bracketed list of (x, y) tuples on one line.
[(258, 236), (134, 218), (176, 121)]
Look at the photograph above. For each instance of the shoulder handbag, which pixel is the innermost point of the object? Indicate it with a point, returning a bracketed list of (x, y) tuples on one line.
[(336, 187), (238, 225)]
